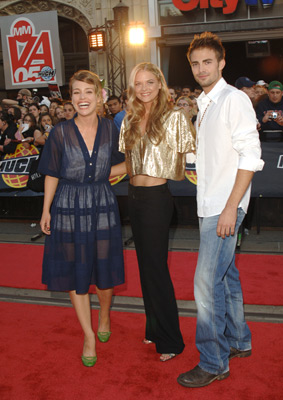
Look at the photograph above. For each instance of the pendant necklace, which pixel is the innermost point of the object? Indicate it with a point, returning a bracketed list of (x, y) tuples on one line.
[(203, 114)]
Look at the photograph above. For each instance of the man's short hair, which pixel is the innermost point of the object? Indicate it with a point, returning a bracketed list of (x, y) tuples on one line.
[(198, 87), (56, 100), (187, 87), (113, 97), (207, 40), (25, 92)]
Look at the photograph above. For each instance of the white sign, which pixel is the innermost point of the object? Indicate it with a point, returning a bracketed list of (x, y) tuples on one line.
[(31, 51)]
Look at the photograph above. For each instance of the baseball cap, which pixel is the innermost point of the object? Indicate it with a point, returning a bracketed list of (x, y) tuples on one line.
[(261, 83), (243, 81), (275, 85), (25, 92)]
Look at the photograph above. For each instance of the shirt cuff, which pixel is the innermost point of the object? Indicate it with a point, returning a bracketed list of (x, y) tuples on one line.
[(251, 164)]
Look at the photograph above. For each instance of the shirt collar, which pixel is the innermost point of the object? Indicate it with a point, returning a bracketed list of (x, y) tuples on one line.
[(214, 94)]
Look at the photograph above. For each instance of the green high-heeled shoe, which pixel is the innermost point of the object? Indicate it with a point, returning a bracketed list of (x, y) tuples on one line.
[(89, 361), (103, 337)]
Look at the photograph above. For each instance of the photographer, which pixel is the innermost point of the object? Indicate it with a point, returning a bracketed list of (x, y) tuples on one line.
[(270, 114), (24, 98)]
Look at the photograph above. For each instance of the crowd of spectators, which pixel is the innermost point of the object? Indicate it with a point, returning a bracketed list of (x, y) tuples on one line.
[(28, 119), (268, 104), (267, 100)]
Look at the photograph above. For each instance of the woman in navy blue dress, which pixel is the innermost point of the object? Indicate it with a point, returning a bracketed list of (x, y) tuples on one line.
[(80, 213)]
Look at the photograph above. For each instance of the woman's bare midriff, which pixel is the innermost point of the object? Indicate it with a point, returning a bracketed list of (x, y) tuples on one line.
[(145, 180)]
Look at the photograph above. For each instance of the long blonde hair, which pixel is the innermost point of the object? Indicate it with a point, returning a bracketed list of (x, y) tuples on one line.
[(136, 109)]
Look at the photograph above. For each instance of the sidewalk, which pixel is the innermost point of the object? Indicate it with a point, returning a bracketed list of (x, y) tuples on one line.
[(182, 238)]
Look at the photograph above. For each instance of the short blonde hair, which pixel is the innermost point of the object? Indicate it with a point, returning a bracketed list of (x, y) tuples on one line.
[(89, 77)]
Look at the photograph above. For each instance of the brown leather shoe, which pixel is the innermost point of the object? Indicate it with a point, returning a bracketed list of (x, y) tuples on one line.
[(239, 353), (197, 377)]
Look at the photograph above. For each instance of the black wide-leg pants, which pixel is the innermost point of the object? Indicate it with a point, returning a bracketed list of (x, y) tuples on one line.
[(150, 211)]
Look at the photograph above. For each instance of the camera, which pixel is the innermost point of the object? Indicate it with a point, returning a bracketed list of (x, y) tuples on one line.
[(48, 128), (274, 115)]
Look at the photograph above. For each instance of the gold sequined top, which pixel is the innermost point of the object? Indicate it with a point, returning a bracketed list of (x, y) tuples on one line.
[(167, 159)]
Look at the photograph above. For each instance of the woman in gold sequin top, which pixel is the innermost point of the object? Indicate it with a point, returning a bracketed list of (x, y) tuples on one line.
[(154, 138)]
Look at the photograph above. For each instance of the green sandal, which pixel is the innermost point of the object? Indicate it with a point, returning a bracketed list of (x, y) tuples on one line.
[(89, 361), (103, 337)]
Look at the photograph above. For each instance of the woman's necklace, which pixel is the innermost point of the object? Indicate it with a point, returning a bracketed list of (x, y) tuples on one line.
[(203, 114)]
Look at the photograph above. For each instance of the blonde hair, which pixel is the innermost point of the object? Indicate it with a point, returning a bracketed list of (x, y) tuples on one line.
[(193, 111), (89, 77), (136, 109)]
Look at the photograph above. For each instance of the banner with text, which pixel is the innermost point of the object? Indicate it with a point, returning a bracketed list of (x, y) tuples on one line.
[(14, 172), (31, 50)]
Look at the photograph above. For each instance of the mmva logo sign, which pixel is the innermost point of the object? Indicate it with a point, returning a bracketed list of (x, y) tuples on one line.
[(31, 54), (228, 6)]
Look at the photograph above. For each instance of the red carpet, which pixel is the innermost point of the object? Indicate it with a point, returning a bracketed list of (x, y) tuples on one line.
[(40, 360), (261, 275)]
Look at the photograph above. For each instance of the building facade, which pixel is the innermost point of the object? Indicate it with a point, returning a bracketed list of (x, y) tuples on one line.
[(251, 30), (76, 18)]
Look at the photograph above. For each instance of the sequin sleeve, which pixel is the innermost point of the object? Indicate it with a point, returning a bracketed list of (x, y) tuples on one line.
[(180, 132), (122, 138)]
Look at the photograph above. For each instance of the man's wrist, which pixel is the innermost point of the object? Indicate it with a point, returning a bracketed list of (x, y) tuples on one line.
[(231, 206)]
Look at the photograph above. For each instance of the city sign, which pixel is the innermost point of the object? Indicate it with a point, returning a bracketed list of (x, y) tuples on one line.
[(228, 6)]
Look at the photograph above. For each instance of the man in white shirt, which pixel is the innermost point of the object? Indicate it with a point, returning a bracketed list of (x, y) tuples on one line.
[(228, 153)]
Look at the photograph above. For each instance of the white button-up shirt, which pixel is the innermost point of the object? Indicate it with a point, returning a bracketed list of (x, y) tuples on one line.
[(227, 140)]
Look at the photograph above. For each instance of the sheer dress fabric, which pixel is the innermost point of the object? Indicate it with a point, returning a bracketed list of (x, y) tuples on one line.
[(85, 245)]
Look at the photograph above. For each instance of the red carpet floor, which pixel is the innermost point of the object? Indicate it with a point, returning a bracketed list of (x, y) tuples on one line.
[(40, 360), (261, 275)]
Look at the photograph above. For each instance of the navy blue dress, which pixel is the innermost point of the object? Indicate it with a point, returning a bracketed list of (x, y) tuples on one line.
[(85, 245)]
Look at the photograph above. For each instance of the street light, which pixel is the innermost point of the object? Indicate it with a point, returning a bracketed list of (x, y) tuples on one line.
[(137, 34), (110, 38)]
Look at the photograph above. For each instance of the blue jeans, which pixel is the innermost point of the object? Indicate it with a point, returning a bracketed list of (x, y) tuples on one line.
[(218, 294)]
